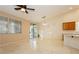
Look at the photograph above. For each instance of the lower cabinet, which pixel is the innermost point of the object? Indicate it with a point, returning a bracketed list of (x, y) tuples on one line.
[(71, 40)]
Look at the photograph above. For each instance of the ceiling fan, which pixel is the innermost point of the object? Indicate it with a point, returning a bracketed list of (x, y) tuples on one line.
[(23, 8)]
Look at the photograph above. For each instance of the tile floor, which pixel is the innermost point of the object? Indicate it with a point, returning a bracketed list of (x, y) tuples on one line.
[(48, 47)]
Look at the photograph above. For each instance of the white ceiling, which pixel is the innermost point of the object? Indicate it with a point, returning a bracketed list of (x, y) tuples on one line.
[(40, 11)]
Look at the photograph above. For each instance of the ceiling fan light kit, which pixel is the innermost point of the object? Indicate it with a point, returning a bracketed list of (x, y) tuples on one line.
[(22, 9)]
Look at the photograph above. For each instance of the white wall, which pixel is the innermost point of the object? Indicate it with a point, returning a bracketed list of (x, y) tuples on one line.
[(51, 31)]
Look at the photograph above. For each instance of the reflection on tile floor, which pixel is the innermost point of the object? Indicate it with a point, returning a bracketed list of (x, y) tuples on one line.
[(48, 46)]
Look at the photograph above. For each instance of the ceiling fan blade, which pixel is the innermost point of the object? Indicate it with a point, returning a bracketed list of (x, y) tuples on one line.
[(22, 6), (26, 11), (30, 9), (17, 8)]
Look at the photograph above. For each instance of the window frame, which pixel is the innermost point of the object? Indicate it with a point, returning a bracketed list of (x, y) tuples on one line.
[(19, 22)]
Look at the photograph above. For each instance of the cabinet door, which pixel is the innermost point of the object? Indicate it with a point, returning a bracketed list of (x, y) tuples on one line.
[(71, 41), (69, 26)]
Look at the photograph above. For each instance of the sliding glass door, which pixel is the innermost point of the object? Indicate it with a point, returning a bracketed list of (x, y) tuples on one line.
[(33, 35)]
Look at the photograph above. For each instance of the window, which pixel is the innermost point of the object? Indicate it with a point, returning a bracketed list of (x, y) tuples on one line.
[(14, 26), (3, 24), (9, 25)]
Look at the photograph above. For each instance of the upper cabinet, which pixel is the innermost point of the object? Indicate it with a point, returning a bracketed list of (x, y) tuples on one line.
[(69, 26)]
